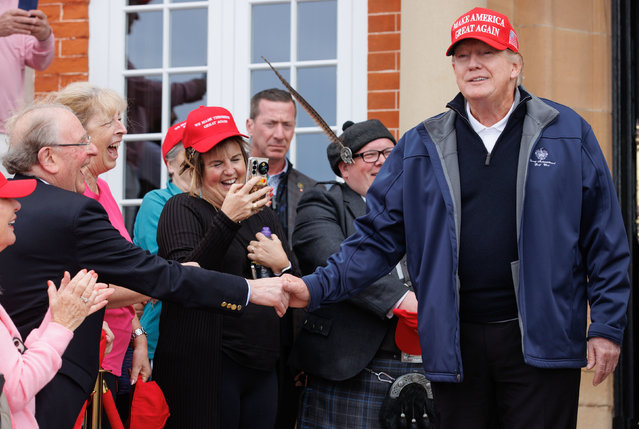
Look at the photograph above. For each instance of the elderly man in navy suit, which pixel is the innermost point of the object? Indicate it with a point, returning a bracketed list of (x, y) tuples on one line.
[(63, 230)]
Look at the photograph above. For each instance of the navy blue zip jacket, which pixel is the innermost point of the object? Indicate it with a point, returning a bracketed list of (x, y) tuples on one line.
[(571, 240)]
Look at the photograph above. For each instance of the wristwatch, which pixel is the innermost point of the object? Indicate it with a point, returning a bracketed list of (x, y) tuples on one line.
[(137, 332)]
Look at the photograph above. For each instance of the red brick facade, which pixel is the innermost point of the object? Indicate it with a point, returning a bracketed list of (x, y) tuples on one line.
[(70, 23), (384, 17)]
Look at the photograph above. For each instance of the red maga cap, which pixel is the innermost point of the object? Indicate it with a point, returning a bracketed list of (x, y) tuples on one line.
[(207, 126), (486, 25), (16, 188), (406, 335), (173, 136)]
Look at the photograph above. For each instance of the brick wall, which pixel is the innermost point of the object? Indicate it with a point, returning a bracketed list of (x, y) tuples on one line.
[(70, 23), (383, 62)]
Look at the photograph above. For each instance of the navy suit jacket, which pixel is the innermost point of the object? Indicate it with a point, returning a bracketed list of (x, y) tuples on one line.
[(58, 230)]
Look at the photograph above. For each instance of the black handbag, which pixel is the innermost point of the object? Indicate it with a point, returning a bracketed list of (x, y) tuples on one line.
[(408, 404)]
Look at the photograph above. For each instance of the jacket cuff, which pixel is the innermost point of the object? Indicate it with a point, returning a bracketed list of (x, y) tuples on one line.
[(314, 292), (57, 336), (46, 45), (604, 331)]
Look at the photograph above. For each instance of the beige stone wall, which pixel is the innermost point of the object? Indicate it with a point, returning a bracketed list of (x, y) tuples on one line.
[(426, 80), (567, 48), (567, 51), (566, 45)]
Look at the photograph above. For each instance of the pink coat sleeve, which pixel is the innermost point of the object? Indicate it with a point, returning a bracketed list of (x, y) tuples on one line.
[(25, 374), (38, 55)]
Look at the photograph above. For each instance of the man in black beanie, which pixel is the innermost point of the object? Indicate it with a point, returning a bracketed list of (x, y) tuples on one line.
[(342, 346)]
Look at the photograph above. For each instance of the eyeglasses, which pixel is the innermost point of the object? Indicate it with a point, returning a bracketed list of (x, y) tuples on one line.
[(85, 141), (371, 156)]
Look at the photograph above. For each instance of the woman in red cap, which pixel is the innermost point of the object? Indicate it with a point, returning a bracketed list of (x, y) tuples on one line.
[(219, 370), (27, 366)]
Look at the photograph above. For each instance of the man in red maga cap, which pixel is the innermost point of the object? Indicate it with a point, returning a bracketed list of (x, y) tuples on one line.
[(509, 219)]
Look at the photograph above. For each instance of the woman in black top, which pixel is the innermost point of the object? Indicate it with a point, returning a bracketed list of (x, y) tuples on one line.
[(216, 225)]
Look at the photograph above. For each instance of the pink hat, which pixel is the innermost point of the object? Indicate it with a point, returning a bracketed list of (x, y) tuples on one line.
[(16, 188), (490, 27), (173, 136), (207, 126), (406, 335)]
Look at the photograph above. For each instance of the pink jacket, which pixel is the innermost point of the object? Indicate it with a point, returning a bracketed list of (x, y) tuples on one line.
[(28, 367), (18, 51), (119, 319)]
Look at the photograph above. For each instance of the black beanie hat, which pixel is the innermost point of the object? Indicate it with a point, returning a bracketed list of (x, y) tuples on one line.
[(356, 136)]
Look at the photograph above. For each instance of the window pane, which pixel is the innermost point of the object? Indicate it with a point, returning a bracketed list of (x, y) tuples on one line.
[(271, 32), (129, 213), (143, 2), (144, 51), (188, 92), (265, 79), (188, 37), (318, 85), (144, 100), (317, 29), (142, 173), (311, 156)]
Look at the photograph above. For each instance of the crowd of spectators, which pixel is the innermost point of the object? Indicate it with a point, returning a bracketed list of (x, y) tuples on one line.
[(434, 225)]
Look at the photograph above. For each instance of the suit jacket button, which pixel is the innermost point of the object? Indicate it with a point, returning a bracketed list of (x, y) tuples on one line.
[(223, 303), (233, 307), (239, 307)]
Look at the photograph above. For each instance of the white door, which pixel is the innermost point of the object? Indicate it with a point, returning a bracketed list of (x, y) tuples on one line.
[(169, 57)]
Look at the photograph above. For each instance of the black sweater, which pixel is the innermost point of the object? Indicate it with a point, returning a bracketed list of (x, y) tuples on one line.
[(190, 229), (488, 236)]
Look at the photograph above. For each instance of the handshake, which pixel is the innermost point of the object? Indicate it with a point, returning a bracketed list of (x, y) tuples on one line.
[(279, 293)]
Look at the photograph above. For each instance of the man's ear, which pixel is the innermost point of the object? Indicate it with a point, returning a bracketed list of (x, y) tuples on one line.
[(249, 126), (343, 168), (48, 160), (516, 71)]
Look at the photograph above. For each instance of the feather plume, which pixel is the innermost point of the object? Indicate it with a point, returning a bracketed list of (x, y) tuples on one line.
[(345, 152)]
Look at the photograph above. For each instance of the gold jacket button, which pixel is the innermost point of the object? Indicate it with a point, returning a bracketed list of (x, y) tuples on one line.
[(233, 307), (223, 303), (239, 307)]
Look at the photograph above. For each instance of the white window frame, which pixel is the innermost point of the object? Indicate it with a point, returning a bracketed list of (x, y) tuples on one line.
[(228, 86)]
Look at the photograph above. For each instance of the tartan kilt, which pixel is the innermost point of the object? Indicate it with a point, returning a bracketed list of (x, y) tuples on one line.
[(352, 403)]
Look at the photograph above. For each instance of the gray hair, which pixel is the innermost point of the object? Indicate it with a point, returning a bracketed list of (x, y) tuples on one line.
[(29, 131), (516, 57), (271, 94), (172, 154)]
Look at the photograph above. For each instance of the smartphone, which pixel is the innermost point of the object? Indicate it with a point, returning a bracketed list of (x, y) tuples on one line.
[(28, 4), (257, 167)]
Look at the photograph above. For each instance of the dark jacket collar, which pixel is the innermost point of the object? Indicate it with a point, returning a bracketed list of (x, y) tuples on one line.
[(458, 103)]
